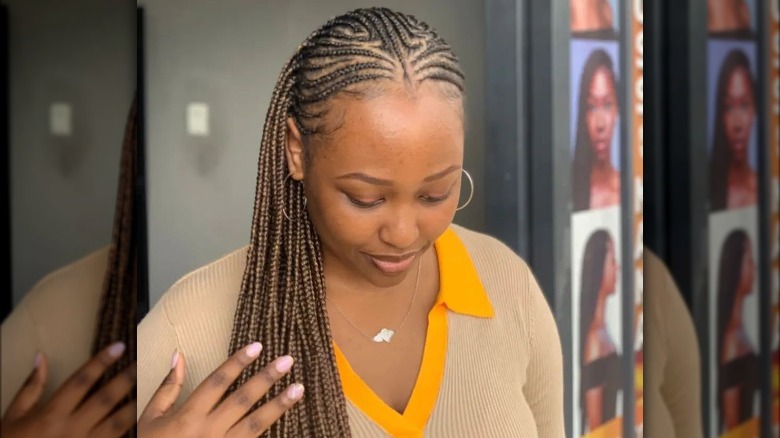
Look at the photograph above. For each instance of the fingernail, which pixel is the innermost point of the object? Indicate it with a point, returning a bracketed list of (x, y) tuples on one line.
[(295, 392), (174, 359), (284, 364), (116, 349), (38, 359), (253, 350)]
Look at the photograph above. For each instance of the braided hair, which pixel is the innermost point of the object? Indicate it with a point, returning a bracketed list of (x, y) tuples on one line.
[(282, 298)]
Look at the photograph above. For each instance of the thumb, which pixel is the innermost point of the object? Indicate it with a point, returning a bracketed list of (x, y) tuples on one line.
[(163, 399), (30, 392)]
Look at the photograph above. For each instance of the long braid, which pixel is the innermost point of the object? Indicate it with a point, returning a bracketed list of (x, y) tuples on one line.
[(116, 319), (282, 299)]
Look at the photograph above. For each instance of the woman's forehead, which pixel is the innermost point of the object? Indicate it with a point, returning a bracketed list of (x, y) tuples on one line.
[(389, 124)]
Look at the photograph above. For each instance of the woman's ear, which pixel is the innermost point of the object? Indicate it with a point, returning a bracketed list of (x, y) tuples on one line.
[(294, 150)]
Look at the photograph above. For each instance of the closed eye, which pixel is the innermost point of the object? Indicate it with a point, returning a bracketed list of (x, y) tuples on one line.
[(435, 199), (363, 204)]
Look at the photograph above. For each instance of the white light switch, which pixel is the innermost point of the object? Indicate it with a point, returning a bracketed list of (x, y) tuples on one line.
[(61, 119), (198, 119)]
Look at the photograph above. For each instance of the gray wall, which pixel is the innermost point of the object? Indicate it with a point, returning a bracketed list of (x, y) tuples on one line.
[(63, 189), (229, 54)]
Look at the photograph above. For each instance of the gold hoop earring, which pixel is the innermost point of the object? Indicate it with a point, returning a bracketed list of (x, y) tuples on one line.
[(284, 212), (471, 194)]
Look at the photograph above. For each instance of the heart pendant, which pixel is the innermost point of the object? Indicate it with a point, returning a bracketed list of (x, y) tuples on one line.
[(384, 335)]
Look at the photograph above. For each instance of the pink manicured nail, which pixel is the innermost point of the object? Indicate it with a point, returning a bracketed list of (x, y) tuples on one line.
[(38, 359), (174, 359), (284, 364), (295, 392), (116, 349), (253, 350)]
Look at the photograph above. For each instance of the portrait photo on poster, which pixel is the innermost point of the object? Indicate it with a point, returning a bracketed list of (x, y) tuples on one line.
[(595, 124), (732, 19), (597, 19), (734, 320), (733, 123), (597, 329)]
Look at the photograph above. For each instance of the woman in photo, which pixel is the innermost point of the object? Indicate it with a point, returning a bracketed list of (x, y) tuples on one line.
[(738, 373), (600, 361), (733, 182), (728, 18), (595, 181), (592, 18), (355, 286)]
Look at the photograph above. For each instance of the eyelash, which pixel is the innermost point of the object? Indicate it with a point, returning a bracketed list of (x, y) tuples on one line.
[(369, 205)]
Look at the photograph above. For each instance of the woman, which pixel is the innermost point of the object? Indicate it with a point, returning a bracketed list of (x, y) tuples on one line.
[(739, 368), (733, 183), (355, 281), (729, 18), (595, 181), (592, 18), (600, 361), (83, 310)]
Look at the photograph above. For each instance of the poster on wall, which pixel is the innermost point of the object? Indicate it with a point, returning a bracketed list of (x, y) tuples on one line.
[(734, 324), (597, 289), (734, 123), (597, 323), (773, 75)]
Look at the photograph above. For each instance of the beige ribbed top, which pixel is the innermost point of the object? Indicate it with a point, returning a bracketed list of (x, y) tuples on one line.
[(503, 376), (57, 316), (672, 380)]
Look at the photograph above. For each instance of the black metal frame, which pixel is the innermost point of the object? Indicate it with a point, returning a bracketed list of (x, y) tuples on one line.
[(687, 173), (506, 157), (139, 204), (6, 297)]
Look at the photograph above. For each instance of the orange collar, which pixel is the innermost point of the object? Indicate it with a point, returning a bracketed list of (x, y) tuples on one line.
[(460, 288)]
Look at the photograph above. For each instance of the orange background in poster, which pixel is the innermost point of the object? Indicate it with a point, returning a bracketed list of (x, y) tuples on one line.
[(637, 104)]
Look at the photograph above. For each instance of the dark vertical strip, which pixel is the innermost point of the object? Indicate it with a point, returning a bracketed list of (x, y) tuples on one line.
[(654, 151), (549, 206), (687, 194), (6, 296), (139, 209), (506, 157)]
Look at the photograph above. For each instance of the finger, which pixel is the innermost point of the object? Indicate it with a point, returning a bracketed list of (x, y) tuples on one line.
[(118, 424), (210, 391), (168, 391), (31, 390), (100, 404), (70, 394), (238, 403), (263, 417)]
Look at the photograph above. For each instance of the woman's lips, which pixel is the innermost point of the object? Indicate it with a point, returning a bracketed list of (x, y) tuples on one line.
[(392, 265)]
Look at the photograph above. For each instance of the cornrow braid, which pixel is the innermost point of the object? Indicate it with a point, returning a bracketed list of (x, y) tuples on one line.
[(116, 313), (282, 298)]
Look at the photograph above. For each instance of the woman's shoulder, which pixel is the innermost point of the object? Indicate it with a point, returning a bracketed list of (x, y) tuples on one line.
[(506, 277), (206, 290), (488, 252)]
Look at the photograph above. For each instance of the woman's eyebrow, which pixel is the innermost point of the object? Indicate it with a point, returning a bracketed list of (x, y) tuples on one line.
[(386, 182)]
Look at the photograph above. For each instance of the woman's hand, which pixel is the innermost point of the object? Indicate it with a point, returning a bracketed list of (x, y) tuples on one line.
[(68, 414), (202, 415)]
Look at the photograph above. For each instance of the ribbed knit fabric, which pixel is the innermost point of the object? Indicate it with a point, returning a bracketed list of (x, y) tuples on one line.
[(672, 378), (503, 376), (58, 317)]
